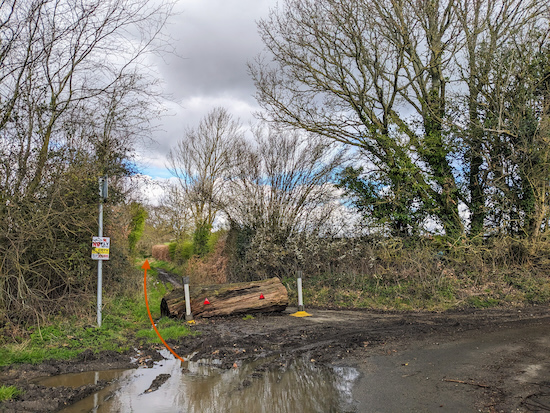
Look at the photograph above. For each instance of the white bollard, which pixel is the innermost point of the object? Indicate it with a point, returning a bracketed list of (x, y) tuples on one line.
[(188, 315), (300, 312), (300, 297)]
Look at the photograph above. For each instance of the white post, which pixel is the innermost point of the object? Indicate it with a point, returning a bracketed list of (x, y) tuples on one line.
[(300, 298), (188, 315)]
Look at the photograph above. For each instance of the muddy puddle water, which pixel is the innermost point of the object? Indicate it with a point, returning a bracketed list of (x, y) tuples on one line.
[(300, 385)]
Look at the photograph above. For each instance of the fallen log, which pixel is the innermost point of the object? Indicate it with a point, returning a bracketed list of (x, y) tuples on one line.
[(264, 296)]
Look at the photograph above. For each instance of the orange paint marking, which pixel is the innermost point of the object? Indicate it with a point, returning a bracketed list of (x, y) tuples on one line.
[(146, 267)]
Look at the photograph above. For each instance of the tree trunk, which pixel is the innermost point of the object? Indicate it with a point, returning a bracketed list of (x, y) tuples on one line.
[(228, 299)]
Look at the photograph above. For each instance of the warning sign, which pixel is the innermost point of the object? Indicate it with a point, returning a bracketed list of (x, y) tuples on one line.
[(100, 248)]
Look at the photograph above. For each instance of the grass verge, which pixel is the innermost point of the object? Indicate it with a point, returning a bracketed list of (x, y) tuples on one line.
[(437, 292), (125, 324), (168, 328)]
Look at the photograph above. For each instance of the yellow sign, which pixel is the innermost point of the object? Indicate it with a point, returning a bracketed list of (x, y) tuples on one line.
[(100, 248)]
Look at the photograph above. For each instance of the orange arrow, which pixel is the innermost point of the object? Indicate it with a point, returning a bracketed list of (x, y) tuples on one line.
[(146, 267)]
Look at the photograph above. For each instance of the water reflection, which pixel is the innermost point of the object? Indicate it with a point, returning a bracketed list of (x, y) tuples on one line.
[(261, 386), (81, 379)]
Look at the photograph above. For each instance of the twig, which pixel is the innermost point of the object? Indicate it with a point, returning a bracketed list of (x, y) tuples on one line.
[(471, 383)]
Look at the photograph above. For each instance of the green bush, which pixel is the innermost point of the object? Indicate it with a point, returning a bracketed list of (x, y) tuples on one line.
[(137, 224), (182, 251), (172, 247), (213, 239), (186, 249), (203, 243), (201, 240)]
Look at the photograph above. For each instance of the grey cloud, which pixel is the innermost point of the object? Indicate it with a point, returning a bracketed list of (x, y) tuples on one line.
[(215, 39)]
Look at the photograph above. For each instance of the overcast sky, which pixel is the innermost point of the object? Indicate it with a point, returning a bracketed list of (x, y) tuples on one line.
[(214, 40)]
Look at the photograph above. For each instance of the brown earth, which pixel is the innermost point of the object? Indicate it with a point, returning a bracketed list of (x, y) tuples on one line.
[(508, 369)]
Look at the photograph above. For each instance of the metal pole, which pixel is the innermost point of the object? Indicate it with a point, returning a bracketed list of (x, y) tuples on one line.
[(100, 263), (300, 298), (188, 315)]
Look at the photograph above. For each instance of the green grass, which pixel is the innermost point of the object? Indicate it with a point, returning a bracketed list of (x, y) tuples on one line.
[(166, 265), (125, 322), (483, 302), (65, 339), (532, 289), (8, 393), (169, 329)]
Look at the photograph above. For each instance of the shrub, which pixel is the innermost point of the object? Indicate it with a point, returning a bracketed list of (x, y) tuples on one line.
[(186, 250), (201, 238), (137, 224)]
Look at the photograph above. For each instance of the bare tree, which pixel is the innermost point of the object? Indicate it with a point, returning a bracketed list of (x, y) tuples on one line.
[(75, 95), (175, 212), (281, 192), (201, 161), (62, 68), (282, 181)]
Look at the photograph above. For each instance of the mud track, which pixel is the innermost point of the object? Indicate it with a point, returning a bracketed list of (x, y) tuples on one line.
[(399, 341)]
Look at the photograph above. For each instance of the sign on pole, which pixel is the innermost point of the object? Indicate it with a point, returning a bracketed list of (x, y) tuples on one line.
[(100, 248)]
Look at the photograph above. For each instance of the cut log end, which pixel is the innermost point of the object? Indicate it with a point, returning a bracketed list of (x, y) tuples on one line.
[(164, 310)]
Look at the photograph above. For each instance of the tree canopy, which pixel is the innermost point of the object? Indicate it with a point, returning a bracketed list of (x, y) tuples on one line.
[(427, 92)]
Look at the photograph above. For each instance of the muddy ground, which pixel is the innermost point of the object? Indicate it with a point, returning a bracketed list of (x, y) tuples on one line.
[(407, 345)]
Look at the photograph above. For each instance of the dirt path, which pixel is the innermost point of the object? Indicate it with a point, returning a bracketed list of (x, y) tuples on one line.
[(491, 360)]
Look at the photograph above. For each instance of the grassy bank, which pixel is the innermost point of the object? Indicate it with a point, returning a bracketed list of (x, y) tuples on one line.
[(431, 293), (125, 323), (427, 274)]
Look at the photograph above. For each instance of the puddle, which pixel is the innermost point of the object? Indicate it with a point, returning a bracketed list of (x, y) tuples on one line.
[(198, 387), (80, 379)]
